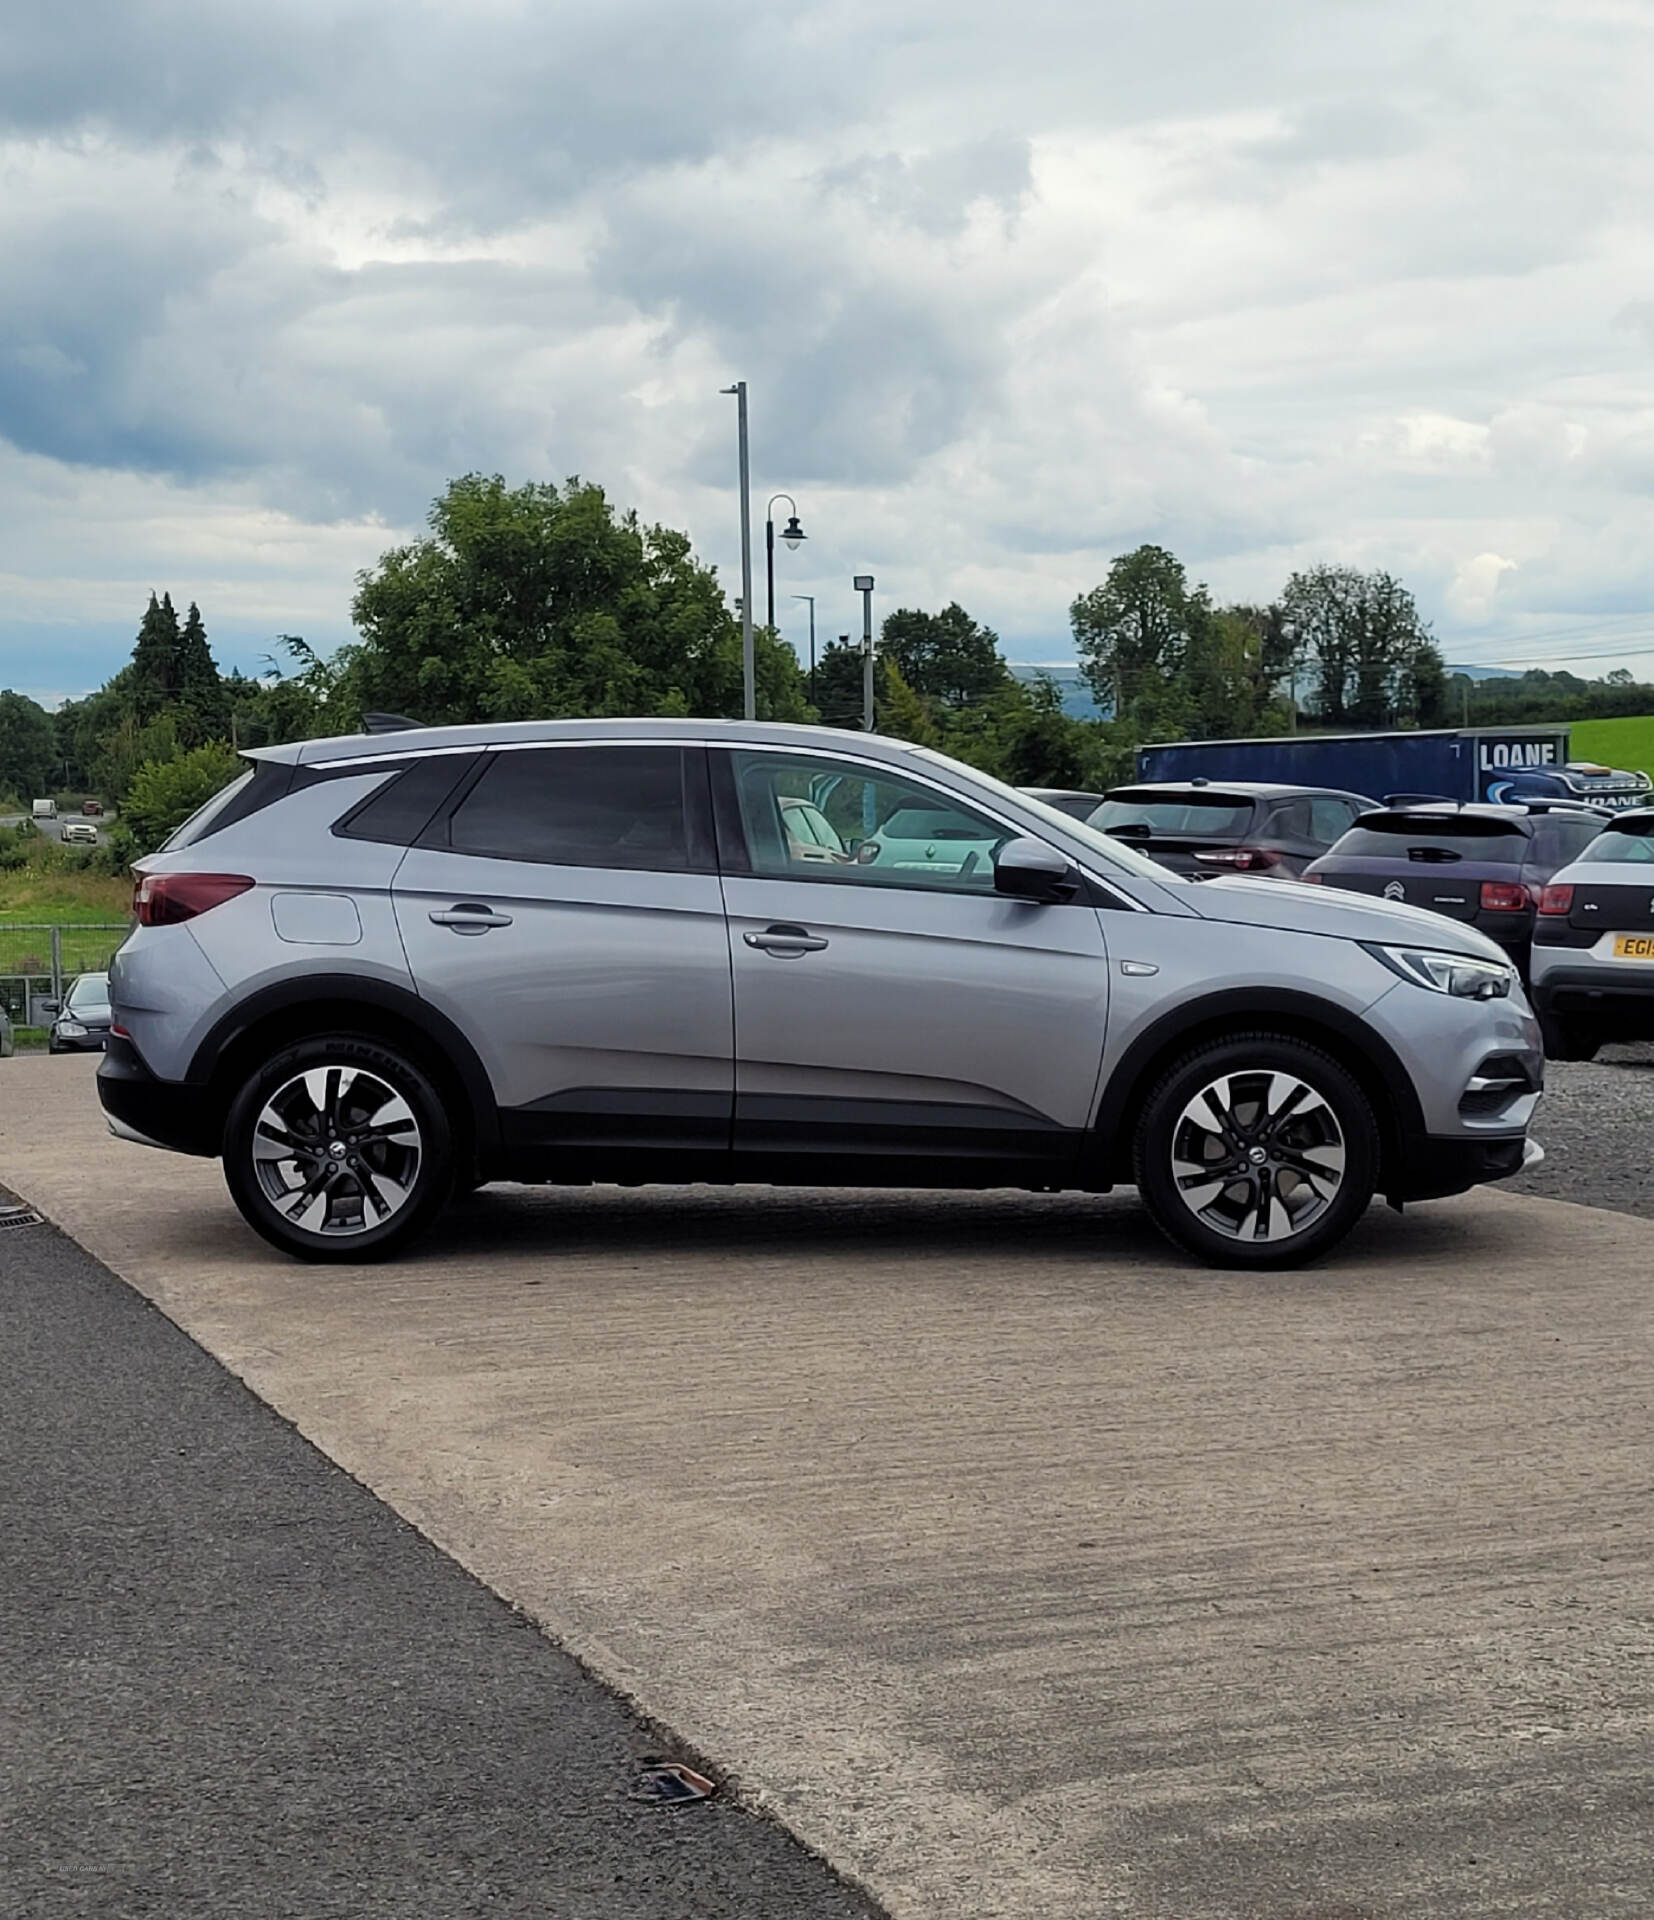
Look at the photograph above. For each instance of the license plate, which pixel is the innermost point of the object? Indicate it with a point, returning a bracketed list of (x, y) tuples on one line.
[(1634, 946)]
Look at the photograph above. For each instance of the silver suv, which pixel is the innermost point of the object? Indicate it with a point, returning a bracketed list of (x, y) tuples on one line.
[(376, 970)]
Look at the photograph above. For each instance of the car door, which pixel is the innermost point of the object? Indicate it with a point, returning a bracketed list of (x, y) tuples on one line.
[(891, 1009), (565, 912)]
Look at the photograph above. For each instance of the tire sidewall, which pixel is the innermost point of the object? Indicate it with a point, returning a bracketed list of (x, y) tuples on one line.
[(1156, 1182), (399, 1070)]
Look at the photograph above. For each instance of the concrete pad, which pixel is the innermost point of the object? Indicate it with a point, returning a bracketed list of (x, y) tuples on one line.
[(1019, 1567)]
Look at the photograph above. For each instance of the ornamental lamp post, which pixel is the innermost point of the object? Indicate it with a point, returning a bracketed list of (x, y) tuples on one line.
[(792, 533)]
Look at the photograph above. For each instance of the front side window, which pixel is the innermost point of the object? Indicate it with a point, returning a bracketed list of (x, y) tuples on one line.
[(807, 819), (579, 807)]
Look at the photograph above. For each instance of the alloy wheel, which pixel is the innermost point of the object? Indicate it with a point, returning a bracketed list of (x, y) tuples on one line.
[(337, 1151), (1258, 1156)]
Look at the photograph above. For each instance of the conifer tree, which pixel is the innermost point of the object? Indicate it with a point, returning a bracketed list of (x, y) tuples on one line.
[(155, 659)]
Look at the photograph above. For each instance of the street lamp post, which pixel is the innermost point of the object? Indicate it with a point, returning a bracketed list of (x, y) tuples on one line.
[(864, 586), (749, 686), (812, 600), (792, 533)]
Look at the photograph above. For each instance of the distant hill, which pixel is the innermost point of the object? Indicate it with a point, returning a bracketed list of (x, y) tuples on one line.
[(1077, 697), (1488, 673)]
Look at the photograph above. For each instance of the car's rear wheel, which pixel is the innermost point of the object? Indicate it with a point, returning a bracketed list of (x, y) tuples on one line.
[(339, 1148), (1257, 1151), (1570, 1039)]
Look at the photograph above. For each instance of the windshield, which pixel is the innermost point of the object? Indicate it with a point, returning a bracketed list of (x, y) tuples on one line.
[(1217, 817), (1114, 853), (89, 991)]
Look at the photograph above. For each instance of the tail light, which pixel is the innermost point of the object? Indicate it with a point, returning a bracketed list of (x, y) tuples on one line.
[(1241, 859), (1557, 900), (168, 899), (1503, 896)]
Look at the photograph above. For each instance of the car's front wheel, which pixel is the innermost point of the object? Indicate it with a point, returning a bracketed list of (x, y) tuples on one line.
[(1257, 1151), (339, 1148)]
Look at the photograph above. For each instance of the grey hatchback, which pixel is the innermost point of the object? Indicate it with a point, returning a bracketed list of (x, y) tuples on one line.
[(376, 970)]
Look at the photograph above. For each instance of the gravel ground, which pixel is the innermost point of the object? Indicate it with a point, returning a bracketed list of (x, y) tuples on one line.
[(1596, 1124)]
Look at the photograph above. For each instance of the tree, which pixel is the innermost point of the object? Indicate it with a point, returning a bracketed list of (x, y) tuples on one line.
[(154, 681), (542, 602), (164, 793), (1132, 632), (944, 656), (1371, 658), (200, 690), (29, 762)]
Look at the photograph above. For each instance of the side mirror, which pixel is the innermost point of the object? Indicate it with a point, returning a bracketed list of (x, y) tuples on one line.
[(1028, 869)]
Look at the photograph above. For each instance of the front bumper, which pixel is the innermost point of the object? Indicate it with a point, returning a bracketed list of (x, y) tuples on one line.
[(1433, 1167), (158, 1113)]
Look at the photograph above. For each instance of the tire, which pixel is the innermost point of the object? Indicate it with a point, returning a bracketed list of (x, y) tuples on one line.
[(380, 1177), (1317, 1172), (1569, 1039)]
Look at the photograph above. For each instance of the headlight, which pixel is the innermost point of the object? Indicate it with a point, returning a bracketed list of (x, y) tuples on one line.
[(1449, 973), (71, 1029)]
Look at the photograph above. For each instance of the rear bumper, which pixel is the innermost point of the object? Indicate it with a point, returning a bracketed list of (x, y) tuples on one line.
[(1434, 1167), (1623, 1006), (159, 1113)]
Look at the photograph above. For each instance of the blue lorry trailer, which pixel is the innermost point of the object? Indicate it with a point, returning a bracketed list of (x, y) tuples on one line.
[(1451, 763)]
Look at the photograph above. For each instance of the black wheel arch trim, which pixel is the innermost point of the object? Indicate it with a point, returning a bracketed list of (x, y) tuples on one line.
[(1400, 1119), (402, 1003)]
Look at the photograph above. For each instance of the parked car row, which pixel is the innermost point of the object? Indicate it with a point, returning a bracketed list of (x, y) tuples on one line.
[(1529, 874)]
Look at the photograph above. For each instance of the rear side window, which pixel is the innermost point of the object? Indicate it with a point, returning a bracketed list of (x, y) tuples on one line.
[(400, 811), (1215, 817), (1392, 837), (1329, 818), (579, 807), (1557, 842)]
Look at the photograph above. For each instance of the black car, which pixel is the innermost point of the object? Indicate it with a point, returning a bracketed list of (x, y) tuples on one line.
[(1202, 829), (82, 1023), (1486, 865)]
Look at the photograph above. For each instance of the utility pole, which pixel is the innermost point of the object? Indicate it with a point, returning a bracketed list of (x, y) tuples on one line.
[(749, 676), (812, 600), (864, 586)]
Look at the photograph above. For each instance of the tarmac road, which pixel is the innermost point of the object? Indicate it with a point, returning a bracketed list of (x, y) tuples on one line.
[(234, 1683)]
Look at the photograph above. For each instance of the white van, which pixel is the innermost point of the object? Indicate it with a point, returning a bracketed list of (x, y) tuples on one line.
[(45, 809)]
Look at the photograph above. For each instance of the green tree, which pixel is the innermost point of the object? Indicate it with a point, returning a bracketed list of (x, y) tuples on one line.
[(1371, 659), (947, 657), (541, 602), (154, 680), (164, 793), (201, 696), (1132, 632), (29, 760)]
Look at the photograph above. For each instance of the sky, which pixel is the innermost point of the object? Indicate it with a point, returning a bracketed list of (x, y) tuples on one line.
[(1014, 289)]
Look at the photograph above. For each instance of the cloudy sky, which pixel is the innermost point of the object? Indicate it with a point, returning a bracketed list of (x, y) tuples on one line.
[(1014, 287)]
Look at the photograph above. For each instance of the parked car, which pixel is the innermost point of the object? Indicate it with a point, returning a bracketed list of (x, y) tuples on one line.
[(8, 1038), (92, 808), (1067, 800), (82, 1023), (1484, 866), (1201, 829), (376, 969), (1593, 943), (81, 832)]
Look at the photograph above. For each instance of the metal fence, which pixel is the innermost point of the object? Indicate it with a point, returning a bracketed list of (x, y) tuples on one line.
[(39, 962)]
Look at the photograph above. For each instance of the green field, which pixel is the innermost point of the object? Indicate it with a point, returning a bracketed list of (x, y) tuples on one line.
[(1625, 743)]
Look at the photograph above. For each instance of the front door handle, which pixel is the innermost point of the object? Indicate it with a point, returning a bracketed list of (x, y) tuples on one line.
[(785, 942), (469, 917)]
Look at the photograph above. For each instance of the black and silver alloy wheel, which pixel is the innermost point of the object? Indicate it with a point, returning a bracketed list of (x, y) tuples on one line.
[(1260, 1151), (1259, 1156), (339, 1148)]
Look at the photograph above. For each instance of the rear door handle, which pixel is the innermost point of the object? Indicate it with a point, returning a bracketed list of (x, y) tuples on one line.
[(470, 918), (785, 942)]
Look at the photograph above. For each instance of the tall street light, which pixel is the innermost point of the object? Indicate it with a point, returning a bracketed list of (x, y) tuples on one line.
[(749, 685), (863, 584), (792, 533), (812, 600)]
